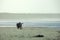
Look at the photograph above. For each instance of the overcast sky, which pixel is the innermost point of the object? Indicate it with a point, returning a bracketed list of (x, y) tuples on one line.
[(30, 6)]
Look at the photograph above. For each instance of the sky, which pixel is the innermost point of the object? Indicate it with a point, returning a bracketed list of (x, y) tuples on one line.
[(30, 6)]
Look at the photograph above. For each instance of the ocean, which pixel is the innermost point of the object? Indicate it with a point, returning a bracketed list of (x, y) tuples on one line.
[(33, 24)]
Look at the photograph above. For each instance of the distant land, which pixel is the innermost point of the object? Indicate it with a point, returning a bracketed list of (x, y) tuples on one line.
[(25, 16)]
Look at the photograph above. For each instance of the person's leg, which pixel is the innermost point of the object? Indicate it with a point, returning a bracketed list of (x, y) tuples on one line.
[(20, 27), (17, 27)]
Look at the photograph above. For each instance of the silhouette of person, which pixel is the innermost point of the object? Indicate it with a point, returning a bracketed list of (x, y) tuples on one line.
[(19, 25)]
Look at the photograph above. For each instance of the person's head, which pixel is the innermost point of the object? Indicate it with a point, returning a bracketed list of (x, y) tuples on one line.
[(20, 22)]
